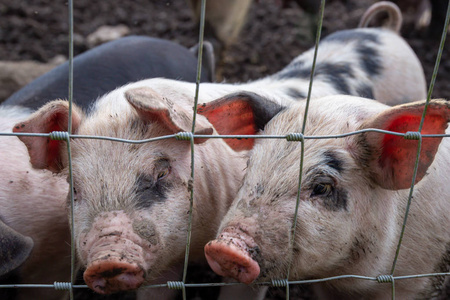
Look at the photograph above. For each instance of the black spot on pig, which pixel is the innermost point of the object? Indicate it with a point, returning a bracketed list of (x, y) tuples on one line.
[(365, 91), (293, 72), (366, 47), (370, 59), (352, 35), (331, 160), (337, 75), (294, 93), (150, 191), (337, 201)]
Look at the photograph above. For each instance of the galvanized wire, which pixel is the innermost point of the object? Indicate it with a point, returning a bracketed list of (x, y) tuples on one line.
[(183, 135), (69, 129), (301, 138), (191, 185)]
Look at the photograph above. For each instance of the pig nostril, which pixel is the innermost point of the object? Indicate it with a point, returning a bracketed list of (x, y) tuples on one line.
[(106, 277)]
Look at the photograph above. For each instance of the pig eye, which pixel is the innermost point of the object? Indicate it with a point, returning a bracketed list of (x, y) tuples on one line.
[(322, 189), (163, 174)]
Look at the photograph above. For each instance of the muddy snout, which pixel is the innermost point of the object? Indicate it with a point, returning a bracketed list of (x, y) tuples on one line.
[(231, 255), (116, 266), (113, 275), (116, 258)]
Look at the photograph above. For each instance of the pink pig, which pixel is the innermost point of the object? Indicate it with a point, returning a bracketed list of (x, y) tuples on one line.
[(35, 235), (353, 197)]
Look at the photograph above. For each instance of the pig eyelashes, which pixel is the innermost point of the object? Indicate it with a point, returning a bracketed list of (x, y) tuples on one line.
[(333, 198), (162, 168), (322, 189), (162, 174)]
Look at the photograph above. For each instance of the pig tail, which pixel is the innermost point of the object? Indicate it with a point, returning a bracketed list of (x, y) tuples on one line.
[(395, 18)]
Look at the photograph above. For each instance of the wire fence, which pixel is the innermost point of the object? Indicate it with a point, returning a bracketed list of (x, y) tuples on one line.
[(189, 136)]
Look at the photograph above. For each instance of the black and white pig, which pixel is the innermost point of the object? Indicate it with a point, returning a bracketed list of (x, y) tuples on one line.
[(352, 200), (132, 200)]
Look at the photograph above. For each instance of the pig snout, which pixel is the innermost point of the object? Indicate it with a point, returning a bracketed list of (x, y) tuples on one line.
[(114, 255), (232, 255), (112, 275)]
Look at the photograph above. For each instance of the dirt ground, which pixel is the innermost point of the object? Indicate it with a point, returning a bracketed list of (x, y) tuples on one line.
[(272, 37)]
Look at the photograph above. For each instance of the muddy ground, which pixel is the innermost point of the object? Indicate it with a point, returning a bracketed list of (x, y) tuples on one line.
[(273, 36)]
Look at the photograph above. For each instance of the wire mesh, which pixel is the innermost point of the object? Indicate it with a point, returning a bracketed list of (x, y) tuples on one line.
[(189, 136)]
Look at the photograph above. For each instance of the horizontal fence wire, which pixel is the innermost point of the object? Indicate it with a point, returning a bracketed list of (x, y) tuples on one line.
[(190, 136)]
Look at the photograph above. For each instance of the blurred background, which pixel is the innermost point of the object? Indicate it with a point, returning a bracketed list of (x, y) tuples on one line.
[(252, 38)]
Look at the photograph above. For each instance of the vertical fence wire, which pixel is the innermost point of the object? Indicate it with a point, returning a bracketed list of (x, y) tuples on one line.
[(69, 129), (191, 185), (302, 141)]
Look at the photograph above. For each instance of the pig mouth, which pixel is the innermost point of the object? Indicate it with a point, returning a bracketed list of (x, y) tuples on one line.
[(230, 256), (112, 275)]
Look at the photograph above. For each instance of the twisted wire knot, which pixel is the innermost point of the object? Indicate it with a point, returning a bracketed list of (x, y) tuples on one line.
[(279, 282), (385, 278), (412, 135), (62, 286), (59, 135), (175, 285), (295, 137), (184, 136)]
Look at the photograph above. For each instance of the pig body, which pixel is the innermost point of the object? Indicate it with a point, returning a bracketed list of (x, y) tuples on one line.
[(111, 65), (33, 204), (132, 200), (353, 197)]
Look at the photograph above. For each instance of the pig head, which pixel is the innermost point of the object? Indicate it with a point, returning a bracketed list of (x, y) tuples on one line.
[(132, 200), (352, 201)]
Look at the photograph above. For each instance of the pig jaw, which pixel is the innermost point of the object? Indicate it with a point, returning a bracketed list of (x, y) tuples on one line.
[(232, 255), (116, 258)]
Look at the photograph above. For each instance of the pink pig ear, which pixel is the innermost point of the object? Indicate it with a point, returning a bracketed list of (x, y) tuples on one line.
[(44, 152), (152, 107), (390, 158), (242, 113)]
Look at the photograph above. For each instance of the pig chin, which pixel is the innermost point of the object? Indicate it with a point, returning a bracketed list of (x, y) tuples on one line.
[(116, 258)]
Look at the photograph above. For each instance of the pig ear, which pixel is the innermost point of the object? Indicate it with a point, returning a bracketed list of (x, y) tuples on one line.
[(208, 58), (14, 250), (151, 107), (390, 158), (242, 113), (44, 152)]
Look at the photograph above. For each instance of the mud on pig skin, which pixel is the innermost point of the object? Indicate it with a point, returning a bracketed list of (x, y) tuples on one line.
[(353, 197)]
